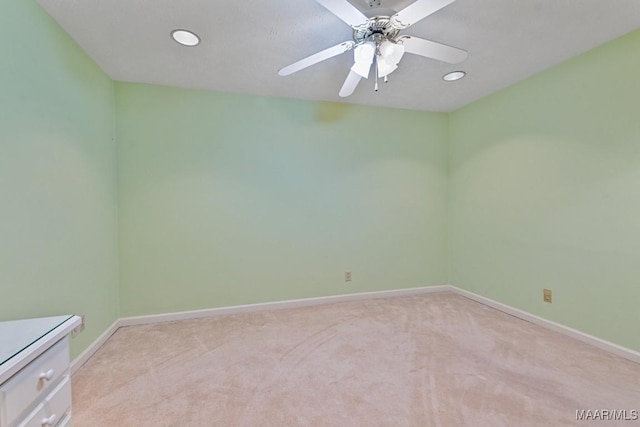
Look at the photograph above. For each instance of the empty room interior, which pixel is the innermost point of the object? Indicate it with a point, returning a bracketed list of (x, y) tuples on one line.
[(450, 236)]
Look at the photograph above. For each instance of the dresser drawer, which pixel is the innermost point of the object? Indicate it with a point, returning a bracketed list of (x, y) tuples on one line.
[(54, 408), (36, 379)]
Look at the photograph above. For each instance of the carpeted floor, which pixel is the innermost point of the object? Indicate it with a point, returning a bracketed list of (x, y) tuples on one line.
[(432, 360)]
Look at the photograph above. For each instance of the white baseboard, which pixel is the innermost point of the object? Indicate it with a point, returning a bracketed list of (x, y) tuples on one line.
[(225, 311), (306, 302), (93, 347), (278, 305), (557, 327)]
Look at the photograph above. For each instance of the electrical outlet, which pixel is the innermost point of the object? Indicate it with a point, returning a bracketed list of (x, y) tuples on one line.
[(347, 276), (547, 295), (78, 328)]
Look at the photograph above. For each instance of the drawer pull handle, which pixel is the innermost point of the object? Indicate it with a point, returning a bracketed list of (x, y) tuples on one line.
[(49, 421), (48, 376)]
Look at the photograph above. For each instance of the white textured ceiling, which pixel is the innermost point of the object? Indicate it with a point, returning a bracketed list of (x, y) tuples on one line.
[(246, 42)]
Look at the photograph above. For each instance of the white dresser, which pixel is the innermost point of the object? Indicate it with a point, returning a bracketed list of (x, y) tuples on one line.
[(35, 386)]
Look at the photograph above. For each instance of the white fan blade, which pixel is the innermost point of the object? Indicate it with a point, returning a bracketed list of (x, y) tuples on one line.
[(417, 11), (433, 50), (350, 84), (345, 11), (317, 57)]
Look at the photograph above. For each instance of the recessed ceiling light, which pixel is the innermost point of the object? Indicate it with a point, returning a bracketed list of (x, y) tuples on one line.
[(185, 38), (454, 75)]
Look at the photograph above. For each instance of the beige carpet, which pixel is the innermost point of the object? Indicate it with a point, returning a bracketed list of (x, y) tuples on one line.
[(432, 360)]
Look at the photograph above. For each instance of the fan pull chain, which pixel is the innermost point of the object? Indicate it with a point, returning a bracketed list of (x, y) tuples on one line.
[(376, 85)]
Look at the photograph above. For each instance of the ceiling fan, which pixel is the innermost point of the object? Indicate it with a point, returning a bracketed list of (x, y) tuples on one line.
[(378, 40)]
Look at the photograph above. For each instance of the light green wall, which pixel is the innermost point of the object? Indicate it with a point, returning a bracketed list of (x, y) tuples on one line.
[(545, 192), (58, 229), (230, 199)]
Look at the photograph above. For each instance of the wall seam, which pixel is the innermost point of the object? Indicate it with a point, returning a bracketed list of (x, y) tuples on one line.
[(448, 203), (117, 193)]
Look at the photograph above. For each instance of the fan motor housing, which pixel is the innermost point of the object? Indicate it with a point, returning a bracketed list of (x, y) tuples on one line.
[(376, 27)]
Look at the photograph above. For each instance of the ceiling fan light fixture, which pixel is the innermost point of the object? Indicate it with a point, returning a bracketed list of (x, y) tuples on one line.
[(363, 58), (385, 67), (364, 52), (185, 37), (453, 76), (391, 52)]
